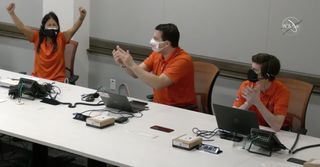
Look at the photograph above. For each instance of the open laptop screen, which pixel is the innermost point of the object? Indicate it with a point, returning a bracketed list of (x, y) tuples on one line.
[(235, 120)]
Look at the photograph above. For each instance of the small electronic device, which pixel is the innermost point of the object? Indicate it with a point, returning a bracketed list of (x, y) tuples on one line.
[(187, 142), (81, 117), (50, 101), (210, 148), (100, 121), (161, 128), (297, 161), (266, 140), (121, 120)]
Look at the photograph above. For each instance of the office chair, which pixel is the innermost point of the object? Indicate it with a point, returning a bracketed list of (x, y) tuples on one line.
[(205, 75), (300, 93), (69, 56)]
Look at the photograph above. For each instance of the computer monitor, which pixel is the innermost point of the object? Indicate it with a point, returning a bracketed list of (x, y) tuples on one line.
[(235, 121)]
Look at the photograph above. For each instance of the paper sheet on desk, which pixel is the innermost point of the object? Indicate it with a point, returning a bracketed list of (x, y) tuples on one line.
[(2, 100), (7, 82)]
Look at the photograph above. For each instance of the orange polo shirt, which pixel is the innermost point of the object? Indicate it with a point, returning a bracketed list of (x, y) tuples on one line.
[(275, 98), (49, 64), (179, 68)]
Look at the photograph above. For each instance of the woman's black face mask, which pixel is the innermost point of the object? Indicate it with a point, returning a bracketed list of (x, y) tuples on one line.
[(252, 76), (51, 33)]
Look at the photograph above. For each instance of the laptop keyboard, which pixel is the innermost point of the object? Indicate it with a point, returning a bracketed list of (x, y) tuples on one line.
[(136, 107)]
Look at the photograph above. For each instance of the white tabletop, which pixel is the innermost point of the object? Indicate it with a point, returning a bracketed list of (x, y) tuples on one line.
[(134, 143)]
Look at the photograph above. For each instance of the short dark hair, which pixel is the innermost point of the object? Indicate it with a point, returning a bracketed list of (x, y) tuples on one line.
[(170, 32), (270, 65)]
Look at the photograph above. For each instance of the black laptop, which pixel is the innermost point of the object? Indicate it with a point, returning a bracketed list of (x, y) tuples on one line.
[(120, 102), (235, 120)]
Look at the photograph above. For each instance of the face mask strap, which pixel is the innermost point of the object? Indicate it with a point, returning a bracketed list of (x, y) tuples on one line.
[(52, 28)]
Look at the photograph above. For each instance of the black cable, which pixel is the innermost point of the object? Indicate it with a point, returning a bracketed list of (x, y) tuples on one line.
[(53, 101), (205, 133), (70, 105), (51, 87), (295, 142), (135, 116), (291, 151), (48, 89), (101, 89), (54, 91), (86, 97), (305, 147), (95, 110), (121, 113), (124, 113), (89, 97)]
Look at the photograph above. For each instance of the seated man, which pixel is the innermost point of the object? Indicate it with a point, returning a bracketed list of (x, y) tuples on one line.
[(168, 70), (264, 94)]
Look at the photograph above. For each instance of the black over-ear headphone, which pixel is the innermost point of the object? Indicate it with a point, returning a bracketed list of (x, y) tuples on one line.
[(268, 73)]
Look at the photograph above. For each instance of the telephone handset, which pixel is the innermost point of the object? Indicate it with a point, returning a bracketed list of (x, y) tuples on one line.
[(266, 140)]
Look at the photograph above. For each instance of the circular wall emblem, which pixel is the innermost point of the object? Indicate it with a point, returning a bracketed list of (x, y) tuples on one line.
[(290, 26)]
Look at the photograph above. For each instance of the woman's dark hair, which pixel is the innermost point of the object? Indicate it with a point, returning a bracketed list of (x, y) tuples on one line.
[(50, 15), (270, 65), (170, 32)]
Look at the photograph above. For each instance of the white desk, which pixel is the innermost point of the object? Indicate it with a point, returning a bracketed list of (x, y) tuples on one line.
[(134, 143)]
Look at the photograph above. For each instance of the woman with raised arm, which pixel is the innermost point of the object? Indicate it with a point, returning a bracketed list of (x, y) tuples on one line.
[(49, 43)]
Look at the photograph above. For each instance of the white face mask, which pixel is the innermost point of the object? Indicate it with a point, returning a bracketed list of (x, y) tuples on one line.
[(51, 28), (155, 45)]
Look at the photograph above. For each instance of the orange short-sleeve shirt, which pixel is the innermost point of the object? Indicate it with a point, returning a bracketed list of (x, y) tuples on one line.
[(49, 64), (179, 68), (276, 100)]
